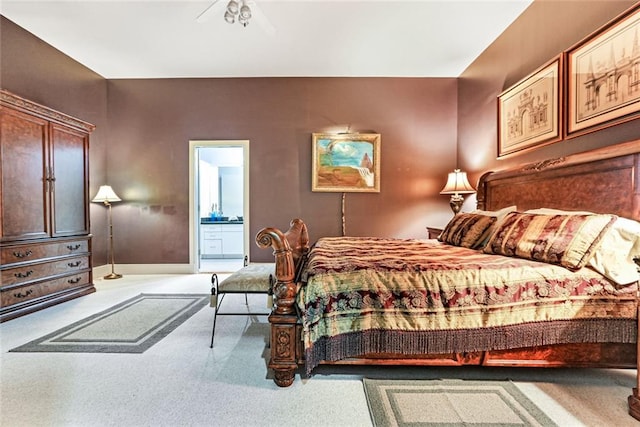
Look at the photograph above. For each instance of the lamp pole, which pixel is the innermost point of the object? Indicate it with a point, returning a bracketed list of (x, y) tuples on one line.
[(113, 274)]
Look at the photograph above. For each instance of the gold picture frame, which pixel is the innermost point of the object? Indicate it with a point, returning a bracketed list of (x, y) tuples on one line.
[(348, 162), (604, 76), (530, 112)]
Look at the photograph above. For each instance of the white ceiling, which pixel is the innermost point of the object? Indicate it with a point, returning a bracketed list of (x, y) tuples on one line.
[(285, 38)]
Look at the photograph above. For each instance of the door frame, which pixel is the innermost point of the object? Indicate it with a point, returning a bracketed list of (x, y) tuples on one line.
[(194, 218)]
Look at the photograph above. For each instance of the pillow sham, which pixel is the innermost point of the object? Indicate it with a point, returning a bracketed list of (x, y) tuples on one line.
[(500, 214), (468, 230), (566, 240), (551, 211), (614, 256)]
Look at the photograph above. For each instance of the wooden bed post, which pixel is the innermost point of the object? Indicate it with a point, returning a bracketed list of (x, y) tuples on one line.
[(283, 318), (284, 291), (634, 399)]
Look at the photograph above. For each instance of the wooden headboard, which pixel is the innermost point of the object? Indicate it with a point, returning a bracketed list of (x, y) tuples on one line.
[(605, 180)]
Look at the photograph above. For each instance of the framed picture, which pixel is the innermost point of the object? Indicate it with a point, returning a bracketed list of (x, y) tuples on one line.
[(347, 162), (530, 112), (604, 76)]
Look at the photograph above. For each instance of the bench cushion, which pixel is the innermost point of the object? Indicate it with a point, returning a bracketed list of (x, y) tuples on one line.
[(252, 278)]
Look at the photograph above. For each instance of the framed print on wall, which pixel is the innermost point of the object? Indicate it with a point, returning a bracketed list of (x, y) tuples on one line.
[(347, 162), (604, 76), (530, 112)]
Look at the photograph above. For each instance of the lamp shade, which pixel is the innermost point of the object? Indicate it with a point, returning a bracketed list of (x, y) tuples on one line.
[(106, 195), (457, 183)]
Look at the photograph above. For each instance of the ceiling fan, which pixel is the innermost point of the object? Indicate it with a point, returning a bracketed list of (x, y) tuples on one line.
[(241, 11)]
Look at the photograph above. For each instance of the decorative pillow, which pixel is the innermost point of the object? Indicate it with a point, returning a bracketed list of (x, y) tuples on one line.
[(467, 230), (566, 240), (499, 214), (551, 211), (614, 256)]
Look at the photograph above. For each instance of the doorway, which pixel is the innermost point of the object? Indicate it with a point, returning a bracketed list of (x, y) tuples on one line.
[(218, 205)]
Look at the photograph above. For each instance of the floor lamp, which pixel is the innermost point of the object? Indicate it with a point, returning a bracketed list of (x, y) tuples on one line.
[(106, 195)]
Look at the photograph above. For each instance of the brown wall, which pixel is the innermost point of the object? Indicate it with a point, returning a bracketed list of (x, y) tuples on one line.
[(543, 31), (152, 121), (34, 70)]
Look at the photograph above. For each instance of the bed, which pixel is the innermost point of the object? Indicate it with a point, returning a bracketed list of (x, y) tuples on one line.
[(541, 275)]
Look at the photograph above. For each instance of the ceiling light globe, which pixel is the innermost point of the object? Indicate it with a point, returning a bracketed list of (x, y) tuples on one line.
[(230, 18), (245, 12), (232, 7)]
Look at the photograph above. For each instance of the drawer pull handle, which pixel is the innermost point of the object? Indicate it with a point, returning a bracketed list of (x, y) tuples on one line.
[(73, 281), (22, 275), (74, 264), (74, 247), (21, 295), (22, 254)]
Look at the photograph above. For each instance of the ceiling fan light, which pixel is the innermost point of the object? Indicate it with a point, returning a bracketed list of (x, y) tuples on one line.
[(229, 17), (232, 7), (243, 21), (245, 12)]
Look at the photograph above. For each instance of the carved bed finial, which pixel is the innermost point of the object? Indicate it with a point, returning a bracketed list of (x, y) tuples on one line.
[(284, 290)]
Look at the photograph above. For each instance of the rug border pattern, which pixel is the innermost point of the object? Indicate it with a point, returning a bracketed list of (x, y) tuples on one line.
[(380, 418), (38, 346)]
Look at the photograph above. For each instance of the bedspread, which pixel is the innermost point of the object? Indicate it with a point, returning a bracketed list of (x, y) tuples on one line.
[(368, 295)]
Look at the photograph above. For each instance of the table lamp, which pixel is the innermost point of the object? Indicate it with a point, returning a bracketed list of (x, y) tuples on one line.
[(457, 185)]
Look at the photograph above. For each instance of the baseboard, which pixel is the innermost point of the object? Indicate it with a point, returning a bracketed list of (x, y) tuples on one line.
[(103, 270)]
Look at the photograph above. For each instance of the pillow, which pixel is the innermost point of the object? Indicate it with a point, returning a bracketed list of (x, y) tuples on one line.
[(550, 211), (499, 214), (614, 257), (468, 230), (566, 240)]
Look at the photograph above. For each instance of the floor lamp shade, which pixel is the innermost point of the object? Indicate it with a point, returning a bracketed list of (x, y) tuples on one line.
[(106, 195)]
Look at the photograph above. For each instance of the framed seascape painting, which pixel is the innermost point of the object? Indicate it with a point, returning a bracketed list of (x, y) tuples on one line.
[(604, 76), (530, 112), (347, 162)]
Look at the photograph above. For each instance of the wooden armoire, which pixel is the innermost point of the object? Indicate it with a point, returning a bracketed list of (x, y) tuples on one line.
[(45, 245)]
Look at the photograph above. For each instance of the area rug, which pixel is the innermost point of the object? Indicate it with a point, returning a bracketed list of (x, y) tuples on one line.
[(450, 403), (132, 326)]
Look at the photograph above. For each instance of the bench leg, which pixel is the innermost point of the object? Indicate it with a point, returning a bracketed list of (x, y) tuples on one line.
[(214, 292), (213, 330)]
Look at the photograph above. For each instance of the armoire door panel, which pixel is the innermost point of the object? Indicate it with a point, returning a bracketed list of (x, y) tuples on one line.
[(69, 152), (23, 155)]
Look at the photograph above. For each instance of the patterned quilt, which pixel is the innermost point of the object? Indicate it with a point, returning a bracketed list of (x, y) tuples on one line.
[(367, 295)]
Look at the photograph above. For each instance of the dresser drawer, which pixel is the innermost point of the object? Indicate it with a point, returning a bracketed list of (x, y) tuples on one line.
[(34, 251), (212, 234), (226, 228), (37, 271), (212, 247), (18, 294)]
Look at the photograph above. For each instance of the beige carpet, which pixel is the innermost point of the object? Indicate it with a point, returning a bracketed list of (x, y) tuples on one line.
[(450, 403)]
